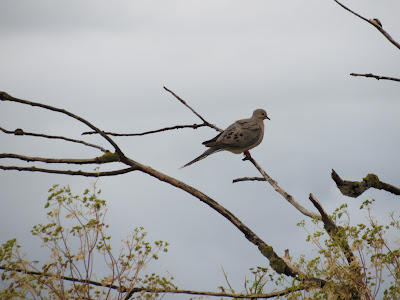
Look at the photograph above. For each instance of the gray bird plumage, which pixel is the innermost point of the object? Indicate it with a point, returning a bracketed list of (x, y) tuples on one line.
[(241, 136)]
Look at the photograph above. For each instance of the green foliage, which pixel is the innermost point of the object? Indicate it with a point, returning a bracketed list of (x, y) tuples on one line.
[(80, 250), (376, 261)]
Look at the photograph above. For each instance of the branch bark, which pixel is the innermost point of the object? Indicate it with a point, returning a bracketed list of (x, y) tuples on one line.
[(356, 188), (377, 77)]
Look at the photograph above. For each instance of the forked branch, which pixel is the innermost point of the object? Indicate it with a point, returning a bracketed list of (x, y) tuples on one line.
[(276, 262), (277, 188)]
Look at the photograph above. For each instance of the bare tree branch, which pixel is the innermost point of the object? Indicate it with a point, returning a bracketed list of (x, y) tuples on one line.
[(248, 179), (281, 191), (68, 172), (159, 291), (374, 22), (377, 77), (197, 114), (333, 230), (194, 126), (96, 160), (276, 262), (19, 132), (356, 188), (221, 294), (6, 97)]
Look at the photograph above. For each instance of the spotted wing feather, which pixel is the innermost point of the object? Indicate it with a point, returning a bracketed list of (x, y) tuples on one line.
[(239, 135)]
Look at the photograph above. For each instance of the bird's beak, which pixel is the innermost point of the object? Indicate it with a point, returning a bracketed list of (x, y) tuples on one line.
[(268, 118)]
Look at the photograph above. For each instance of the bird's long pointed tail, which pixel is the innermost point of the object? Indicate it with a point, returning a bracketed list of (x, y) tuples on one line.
[(204, 155)]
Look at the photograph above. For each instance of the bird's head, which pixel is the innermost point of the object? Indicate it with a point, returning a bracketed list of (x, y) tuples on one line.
[(260, 114)]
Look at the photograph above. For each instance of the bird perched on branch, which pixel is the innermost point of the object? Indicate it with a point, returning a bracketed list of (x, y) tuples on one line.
[(240, 137)]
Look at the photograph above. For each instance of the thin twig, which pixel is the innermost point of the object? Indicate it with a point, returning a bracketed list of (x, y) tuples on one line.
[(96, 160), (194, 126), (377, 77), (248, 179), (19, 132), (373, 22), (196, 113), (6, 97), (69, 172)]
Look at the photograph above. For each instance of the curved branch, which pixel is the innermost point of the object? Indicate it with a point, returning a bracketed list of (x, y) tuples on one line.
[(19, 132), (374, 22), (194, 126), (68, 172), (377, 77), (6, 97), (276, 262), (356, 188)]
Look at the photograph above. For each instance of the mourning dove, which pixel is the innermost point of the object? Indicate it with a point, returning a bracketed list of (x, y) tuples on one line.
[(240, 137)]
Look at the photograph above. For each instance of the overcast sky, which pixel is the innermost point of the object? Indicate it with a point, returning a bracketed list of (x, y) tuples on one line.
[(107, 62)]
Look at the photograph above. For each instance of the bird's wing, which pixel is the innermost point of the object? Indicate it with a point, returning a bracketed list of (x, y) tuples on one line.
[(240, 135)]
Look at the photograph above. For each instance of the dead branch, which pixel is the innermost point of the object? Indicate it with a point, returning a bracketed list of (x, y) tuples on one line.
[(19, 132), (96, 160), (281, 191), (197, 114), (374, 22), (333, 230), (69, 172), (6, 97), (194, 126), (215, 294), (356, 188), (276, 262), (248, 179), (158, 291), (377, 77)]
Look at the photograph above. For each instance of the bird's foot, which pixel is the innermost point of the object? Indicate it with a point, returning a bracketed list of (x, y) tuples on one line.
[(247, 155)]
